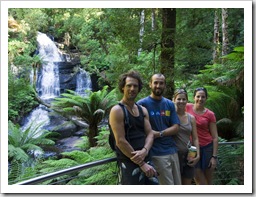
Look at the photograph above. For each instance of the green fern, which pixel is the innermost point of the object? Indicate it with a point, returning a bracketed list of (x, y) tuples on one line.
[(225, 86), (227, 174), (83, 144), (102, 138), (22, 145), (17, 154), (55, 165), (91, 109), (14, 172), (29, 140), (101, 175), (78, 156)]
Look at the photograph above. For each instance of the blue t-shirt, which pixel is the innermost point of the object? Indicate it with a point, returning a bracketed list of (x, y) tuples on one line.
[(162, 114)]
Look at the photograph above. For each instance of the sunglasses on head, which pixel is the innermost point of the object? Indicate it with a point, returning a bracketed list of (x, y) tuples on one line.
[(179, 91), (200, 88)]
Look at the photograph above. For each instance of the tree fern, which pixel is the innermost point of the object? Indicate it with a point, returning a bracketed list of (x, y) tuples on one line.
[(90, 109)]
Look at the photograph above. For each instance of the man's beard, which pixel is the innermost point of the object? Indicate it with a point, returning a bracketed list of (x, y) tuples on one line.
[(158, 92)]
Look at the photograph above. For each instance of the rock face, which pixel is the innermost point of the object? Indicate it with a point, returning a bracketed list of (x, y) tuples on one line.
[(67, 76), (69, 144), (59, 125)]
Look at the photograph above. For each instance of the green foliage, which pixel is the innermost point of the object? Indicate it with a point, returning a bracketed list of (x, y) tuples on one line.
[(224, 83), (91, 109), (102, 138), (18, 172), (226, 100), (230, 168), (100, 175), (84, 143), (32, 19), (235, 27), (17, 154), (78, 156), (22, 145), (20, 95), (193, 43), (14, 172), (49, 166), (21, 98)]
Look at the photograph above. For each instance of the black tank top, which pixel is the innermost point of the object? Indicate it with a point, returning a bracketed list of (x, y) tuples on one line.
[(136, 134)]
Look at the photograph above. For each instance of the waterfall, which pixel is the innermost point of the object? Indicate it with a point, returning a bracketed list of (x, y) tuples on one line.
[(48, 85), (47, 82), (38, 116), (83, 82)]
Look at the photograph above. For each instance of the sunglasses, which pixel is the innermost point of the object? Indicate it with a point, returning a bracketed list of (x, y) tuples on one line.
[(200, 88), (180, 91)]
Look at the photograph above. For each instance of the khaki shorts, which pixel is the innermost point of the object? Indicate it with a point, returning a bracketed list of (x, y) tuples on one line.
[(168, 168)]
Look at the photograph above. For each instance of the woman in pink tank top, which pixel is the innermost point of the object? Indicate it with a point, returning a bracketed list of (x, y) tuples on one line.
[(207, 135)]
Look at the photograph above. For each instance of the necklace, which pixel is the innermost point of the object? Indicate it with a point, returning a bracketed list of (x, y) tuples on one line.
[(131, 108), (133, 112)]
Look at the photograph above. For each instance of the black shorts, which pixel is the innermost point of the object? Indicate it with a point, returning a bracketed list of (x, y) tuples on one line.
[(131, 174), (185, 170)]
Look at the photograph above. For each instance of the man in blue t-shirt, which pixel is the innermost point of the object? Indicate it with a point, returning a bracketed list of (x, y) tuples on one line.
[(165, 123)]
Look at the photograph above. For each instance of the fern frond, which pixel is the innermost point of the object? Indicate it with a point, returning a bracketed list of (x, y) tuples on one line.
[(17, 154), (55, 165), (80, 157), (14, 172)]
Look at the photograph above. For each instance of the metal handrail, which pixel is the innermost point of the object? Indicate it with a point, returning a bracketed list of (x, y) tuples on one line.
[(230, 143), (65, 171), (85, 166)]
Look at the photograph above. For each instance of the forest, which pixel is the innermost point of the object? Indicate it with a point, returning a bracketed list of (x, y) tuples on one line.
[(192, 47)]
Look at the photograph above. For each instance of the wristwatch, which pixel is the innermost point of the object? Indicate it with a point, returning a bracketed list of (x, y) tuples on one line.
[(161, 133), (215, 157)]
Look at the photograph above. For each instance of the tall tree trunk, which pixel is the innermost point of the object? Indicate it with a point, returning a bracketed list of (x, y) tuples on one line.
[(167, 48), (216, 41), (224, 31), (142, 23), (153, 19), (153, 28)]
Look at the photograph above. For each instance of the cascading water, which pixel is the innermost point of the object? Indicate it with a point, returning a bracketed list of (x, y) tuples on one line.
[(83, 82), (47, 82), (48, 85)]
